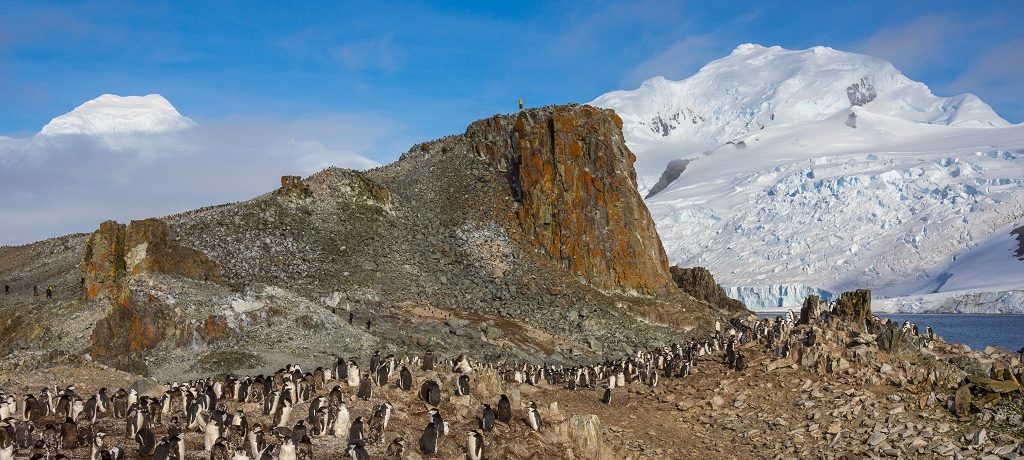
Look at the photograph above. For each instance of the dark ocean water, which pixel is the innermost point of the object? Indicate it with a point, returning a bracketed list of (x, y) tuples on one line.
[(977, 331)]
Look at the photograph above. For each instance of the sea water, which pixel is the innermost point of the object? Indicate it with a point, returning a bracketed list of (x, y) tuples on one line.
[(976, 331)]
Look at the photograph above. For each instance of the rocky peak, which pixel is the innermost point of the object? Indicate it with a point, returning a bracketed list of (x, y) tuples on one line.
[(572, 175)]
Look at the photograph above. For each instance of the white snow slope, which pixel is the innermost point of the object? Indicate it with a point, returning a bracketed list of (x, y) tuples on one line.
[(818, 171)]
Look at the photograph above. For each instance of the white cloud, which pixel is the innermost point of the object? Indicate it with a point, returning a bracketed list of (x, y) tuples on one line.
[(57, 185)]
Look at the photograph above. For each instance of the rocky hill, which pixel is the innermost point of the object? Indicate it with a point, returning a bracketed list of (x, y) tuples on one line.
[(523, 237)]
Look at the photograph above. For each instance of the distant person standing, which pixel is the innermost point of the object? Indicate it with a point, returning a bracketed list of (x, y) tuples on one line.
[(7, 289), (49, 292), (35, 290)]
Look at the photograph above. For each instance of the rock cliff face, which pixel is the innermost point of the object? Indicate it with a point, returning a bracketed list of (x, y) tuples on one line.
[(571, 172), (113, 255), (699, 283)]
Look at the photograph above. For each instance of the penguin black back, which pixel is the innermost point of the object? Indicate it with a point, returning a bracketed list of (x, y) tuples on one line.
[(504, 409)]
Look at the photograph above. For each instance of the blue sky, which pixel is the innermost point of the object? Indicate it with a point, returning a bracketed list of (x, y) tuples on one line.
[(428, 69), (291, 87)]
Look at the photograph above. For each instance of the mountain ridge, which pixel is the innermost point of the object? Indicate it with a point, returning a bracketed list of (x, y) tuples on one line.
[(820, 171)]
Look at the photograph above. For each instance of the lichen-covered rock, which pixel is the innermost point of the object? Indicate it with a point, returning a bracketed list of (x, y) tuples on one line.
[(103, 261), (113, 255), (572, 174), (116, 251), (854, 305), (699, 283)]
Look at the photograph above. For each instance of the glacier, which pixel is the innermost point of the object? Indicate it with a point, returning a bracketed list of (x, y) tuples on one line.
[(819, 171)]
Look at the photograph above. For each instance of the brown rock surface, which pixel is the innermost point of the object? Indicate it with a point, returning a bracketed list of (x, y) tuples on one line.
[(699, 283), (573, 175), (854, 305)]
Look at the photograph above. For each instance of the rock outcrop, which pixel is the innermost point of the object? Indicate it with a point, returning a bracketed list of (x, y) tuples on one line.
[(116, 251), (113, 255), (699, 283), (854, 305), (572, 174)]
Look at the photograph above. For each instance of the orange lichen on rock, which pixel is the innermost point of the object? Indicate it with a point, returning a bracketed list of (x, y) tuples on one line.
[(113, 254), (573, 177)]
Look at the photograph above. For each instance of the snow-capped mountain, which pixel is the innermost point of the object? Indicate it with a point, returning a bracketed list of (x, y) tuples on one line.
[(817, 171), (112, 115)]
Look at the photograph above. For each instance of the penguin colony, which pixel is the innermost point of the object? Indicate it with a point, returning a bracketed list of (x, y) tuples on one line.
[(57, 421)]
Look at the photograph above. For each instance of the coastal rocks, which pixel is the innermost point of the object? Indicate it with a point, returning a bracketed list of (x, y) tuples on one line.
[(699, 283), (571, 174), (811, 309)]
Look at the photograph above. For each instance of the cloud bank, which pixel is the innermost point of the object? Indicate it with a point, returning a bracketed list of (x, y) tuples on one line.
[(54, 185)]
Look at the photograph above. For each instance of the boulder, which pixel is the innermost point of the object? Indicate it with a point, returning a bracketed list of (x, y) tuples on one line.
[(993, 385), (148, 387), (962, 402), (584, 433)]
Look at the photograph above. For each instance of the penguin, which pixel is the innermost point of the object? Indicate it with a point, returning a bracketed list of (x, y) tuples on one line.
[(533, 417), (335, 397), (429, 439), (405, 379), (365, 388), (353, 374), (438, 421), (428, 361), (741, 362), (488, 418), (287, 450), (356, 451), (475, 445), (462, 388), (355, 432), (382, 375), (28, 408), (340, 422), (68, 435), (146, 441), (397, 448), (211, 433), (504, 409), (24, 435), (219, 451), (376, 427), (607, 398), (314, 407), (299, 431), (283, 413), (305, 449), (97, 445), (120, 404), (257, 441), (430, 392)]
